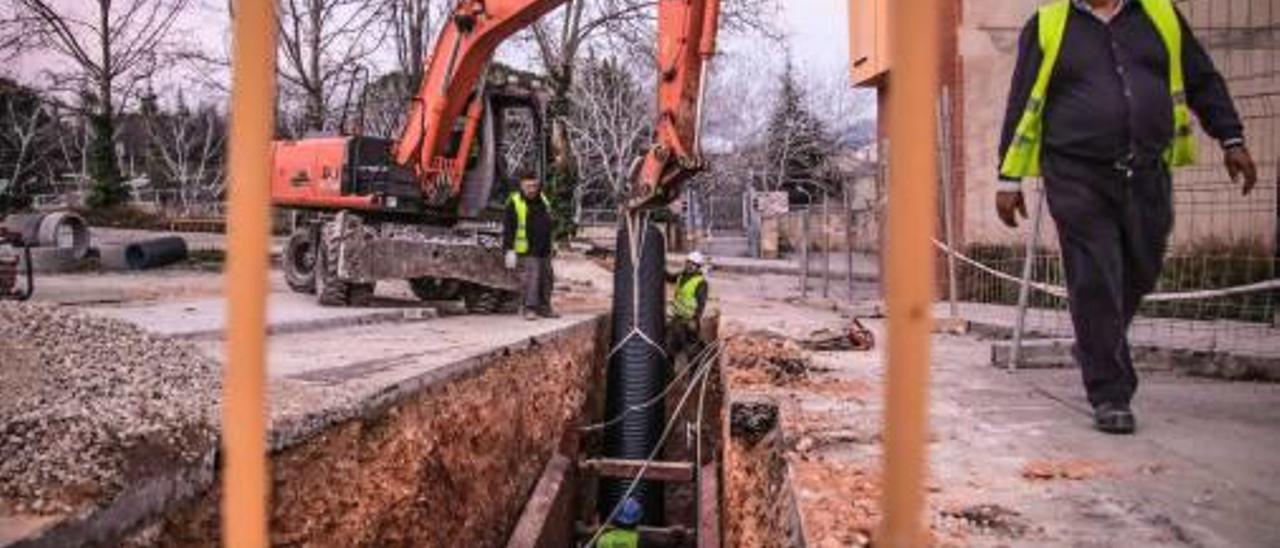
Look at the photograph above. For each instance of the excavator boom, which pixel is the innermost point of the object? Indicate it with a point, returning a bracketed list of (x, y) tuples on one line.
[(449, 89), (686, 42)]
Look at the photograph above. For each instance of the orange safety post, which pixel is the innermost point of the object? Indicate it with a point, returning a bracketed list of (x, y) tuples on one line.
[(913, 92), (244, 472)]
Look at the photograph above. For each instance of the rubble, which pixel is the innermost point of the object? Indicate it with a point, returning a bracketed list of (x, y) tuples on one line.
[(750, 421), (1069, 469), (782, 359), (89, 405), (989, 518), (855, 337)]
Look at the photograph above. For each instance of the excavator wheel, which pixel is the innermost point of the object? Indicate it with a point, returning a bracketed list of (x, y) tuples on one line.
[(435, 289), (299, 262), (332, 291)]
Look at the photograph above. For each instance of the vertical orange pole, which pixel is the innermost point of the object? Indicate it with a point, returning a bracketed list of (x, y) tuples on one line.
[(244, 473), (913, 90)]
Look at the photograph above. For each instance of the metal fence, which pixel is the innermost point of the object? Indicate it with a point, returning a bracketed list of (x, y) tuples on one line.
[(1218, 289)]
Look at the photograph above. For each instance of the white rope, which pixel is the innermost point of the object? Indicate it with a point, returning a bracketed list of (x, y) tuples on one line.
[(699, 377), (1059, 291), (636, 222), (694, 363)]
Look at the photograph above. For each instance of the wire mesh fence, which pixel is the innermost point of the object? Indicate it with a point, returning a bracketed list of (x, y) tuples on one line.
[(1217, 291)]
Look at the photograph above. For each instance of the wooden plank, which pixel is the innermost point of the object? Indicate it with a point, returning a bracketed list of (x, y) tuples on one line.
[(627, 469), (709, 507), (548, 513), (649, 536)]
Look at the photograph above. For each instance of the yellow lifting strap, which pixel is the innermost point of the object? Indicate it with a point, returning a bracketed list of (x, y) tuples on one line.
[(1023, 157)]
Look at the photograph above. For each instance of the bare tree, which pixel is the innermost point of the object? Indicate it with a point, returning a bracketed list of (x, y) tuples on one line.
[(26, 137), (626, 28), (110, 46), (609, 125), (190, 145), (413, 26), (322, 43)]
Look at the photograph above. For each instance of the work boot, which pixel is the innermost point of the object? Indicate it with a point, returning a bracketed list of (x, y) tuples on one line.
[(1114, 419), (530, 315)]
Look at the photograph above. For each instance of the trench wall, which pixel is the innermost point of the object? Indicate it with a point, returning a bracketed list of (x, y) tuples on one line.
[(450, 464)]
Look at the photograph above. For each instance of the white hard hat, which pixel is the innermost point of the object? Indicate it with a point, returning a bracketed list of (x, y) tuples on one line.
[(697, 258)]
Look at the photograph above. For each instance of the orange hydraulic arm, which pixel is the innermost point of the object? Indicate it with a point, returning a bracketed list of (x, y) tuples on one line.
[(461, 54), (686, 42), (686, 30)]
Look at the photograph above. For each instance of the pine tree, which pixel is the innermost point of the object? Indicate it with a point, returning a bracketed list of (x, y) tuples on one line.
[(797, 146)]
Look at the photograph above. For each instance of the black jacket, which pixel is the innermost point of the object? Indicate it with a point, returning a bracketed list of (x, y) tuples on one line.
[(1109, 93), (539, 228)]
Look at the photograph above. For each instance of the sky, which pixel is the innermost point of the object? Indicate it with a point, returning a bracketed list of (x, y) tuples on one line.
[(817, 31)]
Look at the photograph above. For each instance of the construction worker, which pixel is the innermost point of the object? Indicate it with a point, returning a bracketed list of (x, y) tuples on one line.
[(687, 303), (526, 237), (621, 532), (1100, 106)]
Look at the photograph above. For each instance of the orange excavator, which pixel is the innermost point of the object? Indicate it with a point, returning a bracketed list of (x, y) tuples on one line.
[(426, 207)]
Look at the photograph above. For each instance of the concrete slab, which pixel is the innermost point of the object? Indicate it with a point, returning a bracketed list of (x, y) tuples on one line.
[(1035, 354), (286, 312)]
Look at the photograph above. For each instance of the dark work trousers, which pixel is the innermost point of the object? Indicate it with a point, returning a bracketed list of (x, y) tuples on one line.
[(536, 279), (1113, 227)]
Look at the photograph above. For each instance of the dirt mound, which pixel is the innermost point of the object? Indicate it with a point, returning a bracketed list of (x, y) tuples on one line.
[(758, 357), (89, 405), (1068, 469)]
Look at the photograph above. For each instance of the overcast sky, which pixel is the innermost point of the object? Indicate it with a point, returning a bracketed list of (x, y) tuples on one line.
[(817, 31)]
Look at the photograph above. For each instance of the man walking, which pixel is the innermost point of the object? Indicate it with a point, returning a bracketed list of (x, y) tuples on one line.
[(526, 235), (1100, 105)]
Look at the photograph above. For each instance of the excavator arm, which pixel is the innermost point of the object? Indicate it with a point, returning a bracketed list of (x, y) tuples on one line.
[(686, 43), (449, 90)]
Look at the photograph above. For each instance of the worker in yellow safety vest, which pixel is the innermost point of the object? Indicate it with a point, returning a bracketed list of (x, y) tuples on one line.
[(527, 239), (1100, 107), (687, 303), (621, 532)]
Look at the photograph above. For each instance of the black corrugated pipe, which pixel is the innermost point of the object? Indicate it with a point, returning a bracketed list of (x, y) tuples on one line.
[(638, 371), (155, 253)]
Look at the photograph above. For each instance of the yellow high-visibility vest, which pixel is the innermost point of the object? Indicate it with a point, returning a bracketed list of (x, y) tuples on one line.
[(619, 538), (684, 304), (1023, 157), (521, 245)]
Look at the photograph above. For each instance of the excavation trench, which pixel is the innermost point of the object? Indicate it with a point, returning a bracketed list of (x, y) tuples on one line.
[(486, 450), (445, 457)]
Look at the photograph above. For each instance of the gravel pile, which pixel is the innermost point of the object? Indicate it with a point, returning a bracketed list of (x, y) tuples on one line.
[(89, 405)]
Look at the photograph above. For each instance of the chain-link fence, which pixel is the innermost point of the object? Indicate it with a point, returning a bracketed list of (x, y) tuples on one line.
[(1218, 290)]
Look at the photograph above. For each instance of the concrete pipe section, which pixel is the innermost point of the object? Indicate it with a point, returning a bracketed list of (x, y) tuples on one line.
[(60, 240)]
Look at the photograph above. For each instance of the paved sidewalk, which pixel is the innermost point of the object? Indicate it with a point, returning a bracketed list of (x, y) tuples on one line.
[(1019, 448)]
